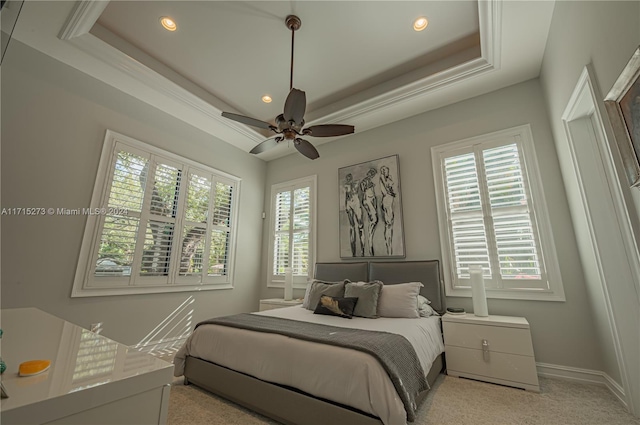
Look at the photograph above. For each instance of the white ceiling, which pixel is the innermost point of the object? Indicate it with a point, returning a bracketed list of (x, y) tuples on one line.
[(359, 62), (240, 51)]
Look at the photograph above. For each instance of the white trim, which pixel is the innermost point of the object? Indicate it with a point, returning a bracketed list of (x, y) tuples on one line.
[(408, 93), (582, 375), (531, 172), (490, 28), (620, 204), (82, 18), (583, 105), (91, 226), (490, 21), (150, 83)]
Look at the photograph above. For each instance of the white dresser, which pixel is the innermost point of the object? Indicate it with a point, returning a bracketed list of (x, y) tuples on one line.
[(91, 380), (272, 303), (495, 349)]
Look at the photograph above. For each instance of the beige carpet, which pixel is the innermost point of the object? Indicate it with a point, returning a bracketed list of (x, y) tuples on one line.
[(451, 401)]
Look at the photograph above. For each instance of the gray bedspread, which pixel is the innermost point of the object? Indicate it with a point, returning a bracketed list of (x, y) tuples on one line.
[(394, 352)]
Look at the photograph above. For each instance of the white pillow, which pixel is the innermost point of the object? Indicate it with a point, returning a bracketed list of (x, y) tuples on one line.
[(399, 300), (424, 309)]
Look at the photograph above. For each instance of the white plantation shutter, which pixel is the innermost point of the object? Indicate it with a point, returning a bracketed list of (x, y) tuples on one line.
[(166, 222), (301, 225), (292, 229), (159, 226), (221, 230), (517, 251), (488, 217), (281, 244), (120, 231), (466, 219), (194, 230)]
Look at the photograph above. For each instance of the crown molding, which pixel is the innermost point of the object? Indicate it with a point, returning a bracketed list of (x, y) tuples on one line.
[(82, 18), (154, 88)]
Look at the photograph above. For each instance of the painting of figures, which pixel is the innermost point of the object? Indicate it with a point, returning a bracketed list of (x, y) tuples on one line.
[(371, 210)]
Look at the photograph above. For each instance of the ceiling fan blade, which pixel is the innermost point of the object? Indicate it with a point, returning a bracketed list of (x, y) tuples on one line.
[(328, 130), (248, 120), (306, 148), (266, 145), (295, 106)]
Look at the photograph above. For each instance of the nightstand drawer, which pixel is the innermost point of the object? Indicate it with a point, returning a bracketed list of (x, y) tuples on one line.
[(500, 339), (508, 367)]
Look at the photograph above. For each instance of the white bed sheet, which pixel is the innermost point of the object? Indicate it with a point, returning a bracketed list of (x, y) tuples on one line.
[(339, 374)]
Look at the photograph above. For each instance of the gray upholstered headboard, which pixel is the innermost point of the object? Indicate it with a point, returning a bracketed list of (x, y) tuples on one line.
[(390, 272), (331, 272)]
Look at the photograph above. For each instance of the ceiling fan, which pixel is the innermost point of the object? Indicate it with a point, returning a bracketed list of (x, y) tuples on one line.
[(289, 124)]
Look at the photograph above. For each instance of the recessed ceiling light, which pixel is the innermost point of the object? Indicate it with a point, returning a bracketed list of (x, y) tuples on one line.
[(420, 23), (266, 98), (168, 23)]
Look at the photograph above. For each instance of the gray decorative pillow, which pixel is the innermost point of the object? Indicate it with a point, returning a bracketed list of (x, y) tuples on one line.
[(399, 300), (305, 301), (368, 294), (319, 288)]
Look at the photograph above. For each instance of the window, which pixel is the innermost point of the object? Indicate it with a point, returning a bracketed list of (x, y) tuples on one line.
[(292, 235), (157, 223), (492, 213)]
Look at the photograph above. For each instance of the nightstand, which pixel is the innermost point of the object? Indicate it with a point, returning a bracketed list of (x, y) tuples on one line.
[(272, 303), (494, 349)]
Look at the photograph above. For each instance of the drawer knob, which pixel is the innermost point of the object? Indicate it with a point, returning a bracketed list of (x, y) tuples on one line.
[(485, 350)]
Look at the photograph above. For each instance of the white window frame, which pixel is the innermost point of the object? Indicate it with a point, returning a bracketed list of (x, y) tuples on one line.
[(551, 288), (299, 281), (87, 285)]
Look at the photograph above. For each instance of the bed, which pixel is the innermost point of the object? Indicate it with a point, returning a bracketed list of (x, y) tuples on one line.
[(302, 382)]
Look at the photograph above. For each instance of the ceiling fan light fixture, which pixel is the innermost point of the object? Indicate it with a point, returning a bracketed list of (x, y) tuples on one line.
[(168, 23), (266, 98), (420, 23)]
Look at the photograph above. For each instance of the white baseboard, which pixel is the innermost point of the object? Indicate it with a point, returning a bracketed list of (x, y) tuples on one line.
[(582, 375)]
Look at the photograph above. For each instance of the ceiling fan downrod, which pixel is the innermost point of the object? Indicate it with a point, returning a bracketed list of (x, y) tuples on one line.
[(293, 23)]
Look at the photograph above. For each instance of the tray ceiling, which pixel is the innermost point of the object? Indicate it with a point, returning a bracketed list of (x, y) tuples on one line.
[(359, 62)]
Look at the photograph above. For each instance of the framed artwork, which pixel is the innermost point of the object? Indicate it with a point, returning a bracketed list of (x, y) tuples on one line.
[(623, 108), (371, 210)]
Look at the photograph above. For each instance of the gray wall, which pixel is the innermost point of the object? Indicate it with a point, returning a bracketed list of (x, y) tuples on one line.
[(53, 125), (562, 331), (604, 34)]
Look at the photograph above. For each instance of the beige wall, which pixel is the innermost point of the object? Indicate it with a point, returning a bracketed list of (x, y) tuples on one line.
[(562, 331), (53, 125), (604, 34)]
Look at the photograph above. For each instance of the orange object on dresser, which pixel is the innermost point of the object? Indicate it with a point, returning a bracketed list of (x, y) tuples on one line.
[(33, 367)]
